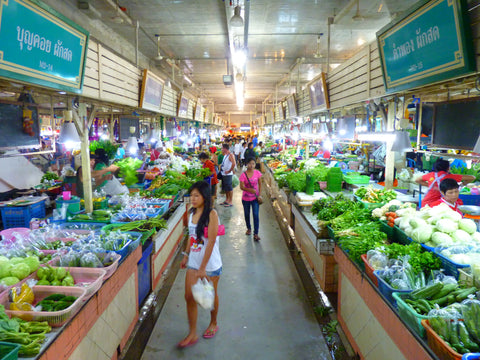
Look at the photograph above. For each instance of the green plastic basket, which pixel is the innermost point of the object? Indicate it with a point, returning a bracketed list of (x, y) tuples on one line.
[(387, 229), (408, 314), (9, 351)]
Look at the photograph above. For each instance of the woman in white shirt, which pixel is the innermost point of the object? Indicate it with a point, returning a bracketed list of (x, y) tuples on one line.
[(201, 258)]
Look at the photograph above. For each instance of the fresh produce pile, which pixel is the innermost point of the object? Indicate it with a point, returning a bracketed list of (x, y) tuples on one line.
[(96, 215), (56, 302), (54, 276), (86, 259), (457, 325), (16, 268), (157, 223), (48, 177), (329, 208), (463, 170), (439, 226), (110, 149), (371, 195), (425, 299), (29, 334), (128, 170), (55, 245)]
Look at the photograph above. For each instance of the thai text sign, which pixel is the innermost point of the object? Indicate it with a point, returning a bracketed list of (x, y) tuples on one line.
[(39, 45), (430, 44)]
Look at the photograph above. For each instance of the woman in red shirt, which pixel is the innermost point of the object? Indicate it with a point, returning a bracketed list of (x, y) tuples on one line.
[(433, 179), (208, 164)]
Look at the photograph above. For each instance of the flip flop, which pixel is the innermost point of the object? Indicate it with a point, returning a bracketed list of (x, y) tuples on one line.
[(208, 334), (183, 346), (227, 205)]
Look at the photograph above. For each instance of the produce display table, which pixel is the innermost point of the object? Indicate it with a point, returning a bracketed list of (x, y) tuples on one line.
[(166, 242), (369, 322), (317, 249), (102, 326)]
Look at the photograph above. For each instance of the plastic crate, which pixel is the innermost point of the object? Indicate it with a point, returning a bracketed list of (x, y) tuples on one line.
[(470, 199), (361, 179), (8, 234), (134, 243), (438, 346), (144, 274), (389, 230), (109, 270), (330, 232), (471, 356), (73, 204), (400, 237), (385, 289), (98, 205), (91, 226), (450, 267), (408, 314), (90, 279), (9, 351), (54, 318), (20, 216), (368, 205), (369, 270)]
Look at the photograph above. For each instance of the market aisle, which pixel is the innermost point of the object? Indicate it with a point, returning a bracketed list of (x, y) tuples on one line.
[(264, 312)]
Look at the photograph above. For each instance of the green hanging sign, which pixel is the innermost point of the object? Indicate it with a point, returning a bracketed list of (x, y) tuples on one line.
[(40, 46), (430, 44)]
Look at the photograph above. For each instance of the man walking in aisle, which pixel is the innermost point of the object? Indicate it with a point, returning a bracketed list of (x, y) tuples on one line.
[(237, 151), (227, 169)]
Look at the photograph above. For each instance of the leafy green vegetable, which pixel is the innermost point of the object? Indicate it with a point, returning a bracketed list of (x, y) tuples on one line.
[(128, 169), (49, 176), (420, 260), (329, 208), (110, 149), (297, 181)]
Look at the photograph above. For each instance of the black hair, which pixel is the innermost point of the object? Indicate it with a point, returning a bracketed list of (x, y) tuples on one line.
[(250, 143), (226, 146), (204, 189), (203, 156), (448, 184), (247, 160), (441, 165), (101, 156)]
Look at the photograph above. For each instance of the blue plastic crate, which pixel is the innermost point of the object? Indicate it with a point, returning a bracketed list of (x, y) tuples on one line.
[(20, 216), (470, 199), (82, 226), (450, 267), (386, 290), (471, 356), (144, 274)]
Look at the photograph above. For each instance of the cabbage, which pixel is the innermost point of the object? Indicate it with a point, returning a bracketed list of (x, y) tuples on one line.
[(468, 225), (452, 215), (5, 269), (20, 271), (433, 220), (440, 210), (476, 237), (422, 234), (3, 259), (441, 239), (405, 222), (16, 260), (9, 281), (408, 231), (461, 236), (32, 262), (446, 226), (417, 222)]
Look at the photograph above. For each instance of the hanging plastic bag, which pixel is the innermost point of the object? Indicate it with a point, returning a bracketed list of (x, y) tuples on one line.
[(204, 293), (235, 181), (114, 187)]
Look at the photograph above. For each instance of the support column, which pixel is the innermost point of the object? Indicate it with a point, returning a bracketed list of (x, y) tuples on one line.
[(390, 158)]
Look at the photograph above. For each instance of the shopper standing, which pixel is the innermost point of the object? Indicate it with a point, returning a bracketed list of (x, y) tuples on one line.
[(251, 185), (228, 170), (209, 164), (201, 258), (238, 150), (250, 152), (242, 153)]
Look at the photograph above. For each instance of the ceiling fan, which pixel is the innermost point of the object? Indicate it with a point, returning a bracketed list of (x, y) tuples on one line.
[(358, 16), (159, 57)]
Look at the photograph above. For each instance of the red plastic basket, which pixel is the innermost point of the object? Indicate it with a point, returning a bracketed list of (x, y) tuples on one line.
[(369, 270), (439, 347), (54, 318), (108, 269)]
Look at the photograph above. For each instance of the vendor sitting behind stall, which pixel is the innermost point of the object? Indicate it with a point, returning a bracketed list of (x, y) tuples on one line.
[(450, 191), (99, 177), (433, 179)]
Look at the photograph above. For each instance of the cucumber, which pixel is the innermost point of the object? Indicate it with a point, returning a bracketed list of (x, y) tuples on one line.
[(427, 292), (446, 290)]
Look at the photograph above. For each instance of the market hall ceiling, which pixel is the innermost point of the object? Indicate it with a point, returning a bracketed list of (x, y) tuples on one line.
[(281, 37)]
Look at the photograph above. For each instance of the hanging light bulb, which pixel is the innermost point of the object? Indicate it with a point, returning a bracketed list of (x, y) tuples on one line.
[(68, 133), (402, 142), (236, 20)]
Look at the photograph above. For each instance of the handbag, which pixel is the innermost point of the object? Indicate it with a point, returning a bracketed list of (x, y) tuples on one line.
[(220, 232), (259, 197)]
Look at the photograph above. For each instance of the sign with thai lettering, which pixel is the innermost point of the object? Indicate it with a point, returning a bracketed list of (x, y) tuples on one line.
[(152, 91), (430, 44), (39, 45)]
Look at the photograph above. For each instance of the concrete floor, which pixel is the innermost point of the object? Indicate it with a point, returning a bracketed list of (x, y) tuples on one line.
[(263, 312)]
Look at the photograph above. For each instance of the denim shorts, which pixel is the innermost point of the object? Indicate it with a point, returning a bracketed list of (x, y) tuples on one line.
[(227, 183), (217, 272)]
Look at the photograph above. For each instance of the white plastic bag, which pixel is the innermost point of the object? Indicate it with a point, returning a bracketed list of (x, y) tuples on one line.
[(204, 293), (114, 187)]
